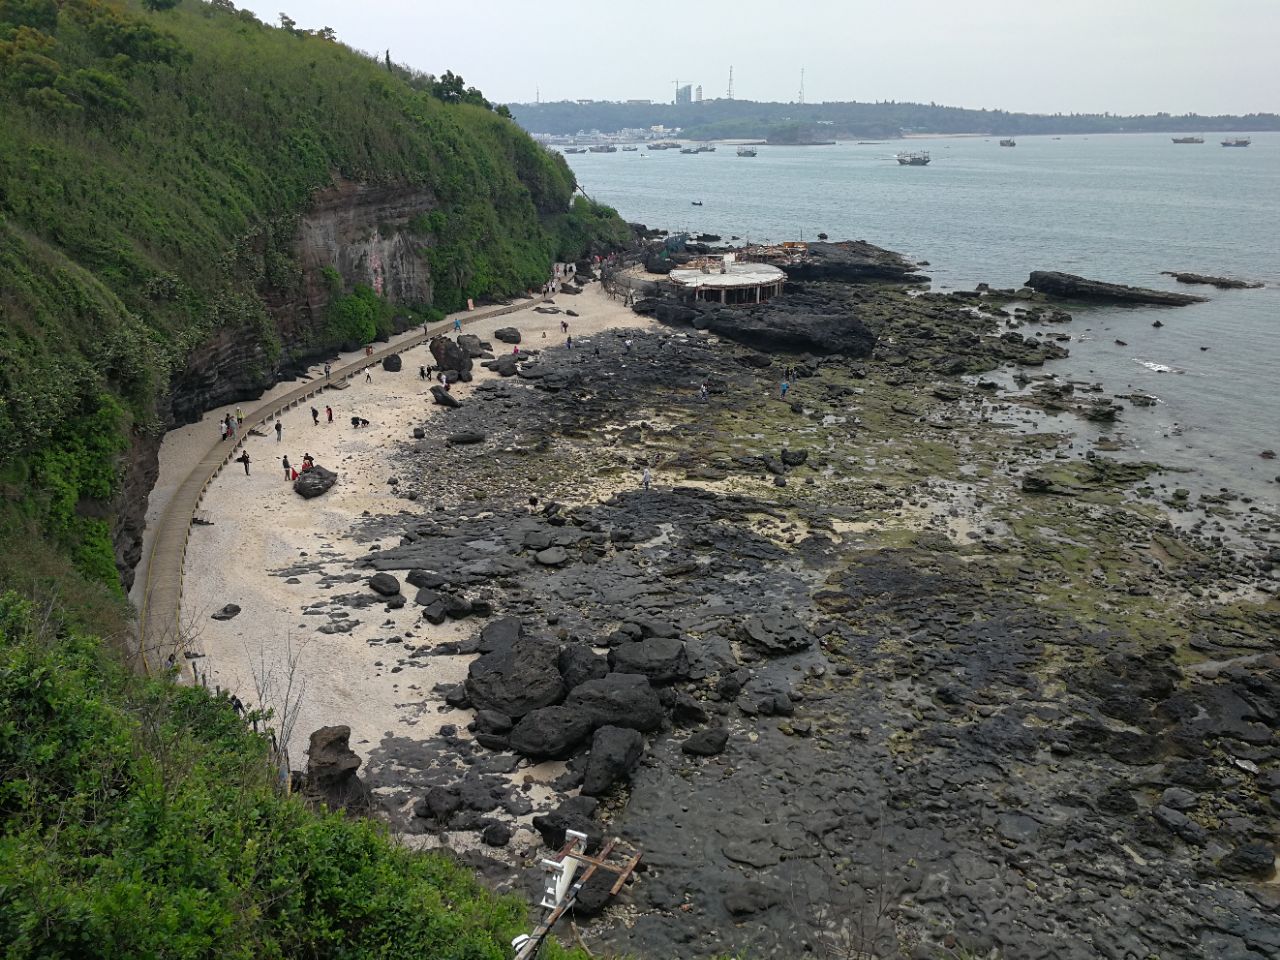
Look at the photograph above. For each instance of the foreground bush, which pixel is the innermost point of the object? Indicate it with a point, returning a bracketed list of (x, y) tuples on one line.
[(140, 820)]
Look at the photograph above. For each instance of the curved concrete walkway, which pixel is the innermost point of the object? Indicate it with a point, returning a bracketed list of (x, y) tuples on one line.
[(160, 631)]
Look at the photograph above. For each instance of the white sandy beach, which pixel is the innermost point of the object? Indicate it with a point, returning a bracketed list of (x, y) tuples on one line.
[(260, 526)]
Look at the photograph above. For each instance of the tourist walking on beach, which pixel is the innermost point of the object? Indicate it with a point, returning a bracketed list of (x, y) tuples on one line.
[(564, 326), (368, 377), (422, 373), (457, 324), (328, 412), (244, 458), (279, 430), (327, 371), (288, 470), (222, 426), (239, 417), (568, 342), (645, 478), (315, 417)]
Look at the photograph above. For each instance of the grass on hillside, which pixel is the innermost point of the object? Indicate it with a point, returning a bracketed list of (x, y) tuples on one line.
[(152, 169)]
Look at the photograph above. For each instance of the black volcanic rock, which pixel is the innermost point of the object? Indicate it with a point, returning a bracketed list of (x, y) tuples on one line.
[(1222, 283), (853, 261), (312, 483), (518, 679), (1070, 287), (780, 326)]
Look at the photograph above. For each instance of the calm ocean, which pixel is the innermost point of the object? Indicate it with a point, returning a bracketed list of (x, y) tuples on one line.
[(1118, 207)]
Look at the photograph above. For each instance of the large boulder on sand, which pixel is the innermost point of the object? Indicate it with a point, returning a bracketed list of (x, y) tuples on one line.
[(311, 483), (550, 733), (471, 345), (620, 700), (442, 397), (450, 356), (615, 751), (518, 679), (392, 363), (331, 770), (507, 334)]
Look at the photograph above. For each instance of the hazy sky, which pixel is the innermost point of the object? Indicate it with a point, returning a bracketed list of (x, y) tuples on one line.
[(1125, 56)]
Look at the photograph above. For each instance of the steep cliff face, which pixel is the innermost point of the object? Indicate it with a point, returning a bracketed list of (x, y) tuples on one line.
[(367, 233)]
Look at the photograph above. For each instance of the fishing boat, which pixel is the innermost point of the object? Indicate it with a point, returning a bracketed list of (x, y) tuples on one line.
[(575, 149), (630, 149), (603, 148), (1188, 139), (918, 159), (696, 203), (746, 151), (1009, 142), (1236, 142), (690, 150)]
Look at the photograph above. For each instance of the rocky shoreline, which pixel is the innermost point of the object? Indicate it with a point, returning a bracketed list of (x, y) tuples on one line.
[(866, 669)]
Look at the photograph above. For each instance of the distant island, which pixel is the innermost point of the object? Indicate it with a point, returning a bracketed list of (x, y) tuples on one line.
[(733, 119)]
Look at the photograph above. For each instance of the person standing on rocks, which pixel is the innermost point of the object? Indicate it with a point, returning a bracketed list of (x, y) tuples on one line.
[(568, 342), (315, 417), (786, 385), (703, 392), (279, 430), (244, 458), (288, 469), (328, 412), (645, 478), (626, 345)]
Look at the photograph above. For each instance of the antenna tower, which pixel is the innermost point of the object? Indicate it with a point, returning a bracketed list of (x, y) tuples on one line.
[(731, 83), (802, 84)]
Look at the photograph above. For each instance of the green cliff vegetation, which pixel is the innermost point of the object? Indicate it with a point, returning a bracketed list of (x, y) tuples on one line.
[(154, 160), (141, 819)]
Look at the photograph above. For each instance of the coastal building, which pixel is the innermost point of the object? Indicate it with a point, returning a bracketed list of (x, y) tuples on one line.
[(725, 279), (684, 94)]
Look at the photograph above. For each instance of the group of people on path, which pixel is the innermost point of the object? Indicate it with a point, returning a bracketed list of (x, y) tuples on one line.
[(290, 472), (231, 424)]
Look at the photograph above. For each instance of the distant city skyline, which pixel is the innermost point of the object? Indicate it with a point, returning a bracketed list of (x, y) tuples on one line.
[(1090, 56)]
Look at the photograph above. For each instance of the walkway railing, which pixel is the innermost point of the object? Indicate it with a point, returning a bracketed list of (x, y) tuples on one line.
[(161, 637)]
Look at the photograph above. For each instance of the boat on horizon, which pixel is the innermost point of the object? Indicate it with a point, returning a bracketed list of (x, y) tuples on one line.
[(1008, 142), (575, 149), (630, 149), (745, 151), (919, 158), (1188, 139), (603, 148), (1237, 142)]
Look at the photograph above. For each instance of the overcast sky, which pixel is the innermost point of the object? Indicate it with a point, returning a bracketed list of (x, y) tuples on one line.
[(1043, 56)]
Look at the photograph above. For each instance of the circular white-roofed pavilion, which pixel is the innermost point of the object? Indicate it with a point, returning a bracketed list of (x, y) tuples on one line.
[(728, 281)]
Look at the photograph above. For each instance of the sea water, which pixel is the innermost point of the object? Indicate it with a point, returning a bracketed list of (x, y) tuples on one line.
[(1117, 207)]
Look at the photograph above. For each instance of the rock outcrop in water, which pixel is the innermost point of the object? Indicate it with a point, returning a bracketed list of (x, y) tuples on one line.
[(1222, 283), (854, 261), (1070, 287)]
